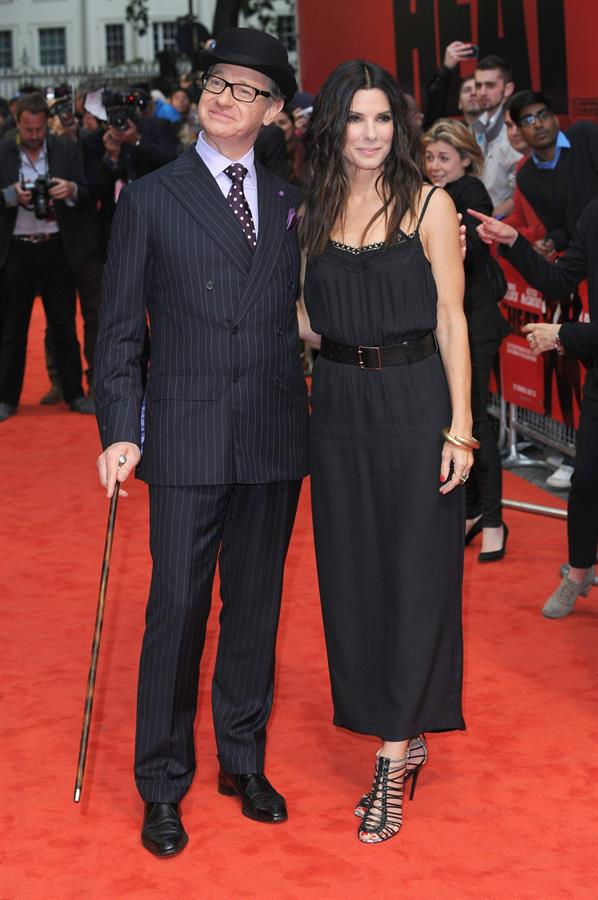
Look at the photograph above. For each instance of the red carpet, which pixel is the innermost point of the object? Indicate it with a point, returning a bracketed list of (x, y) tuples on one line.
[(507, 809)]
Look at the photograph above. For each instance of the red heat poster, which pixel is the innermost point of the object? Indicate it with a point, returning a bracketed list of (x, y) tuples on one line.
[(548, 384)]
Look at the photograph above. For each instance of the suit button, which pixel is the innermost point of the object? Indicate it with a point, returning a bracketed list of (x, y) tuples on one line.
[(291, 283), (279, 379), (235, 379), (279, 331), (235, 329), (209, 285)]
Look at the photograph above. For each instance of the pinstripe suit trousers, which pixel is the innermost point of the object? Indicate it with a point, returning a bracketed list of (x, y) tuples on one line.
[(246, 528)]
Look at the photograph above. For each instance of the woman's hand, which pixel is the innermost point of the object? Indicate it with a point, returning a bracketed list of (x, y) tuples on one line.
[(541, 336), (492, 230), (462, 237), (461, 460)]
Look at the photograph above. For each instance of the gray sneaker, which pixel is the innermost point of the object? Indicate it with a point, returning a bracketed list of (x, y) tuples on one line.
[(561, 603)]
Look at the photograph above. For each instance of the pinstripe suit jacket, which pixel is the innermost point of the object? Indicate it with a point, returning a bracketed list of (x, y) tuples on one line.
[(226, 399)]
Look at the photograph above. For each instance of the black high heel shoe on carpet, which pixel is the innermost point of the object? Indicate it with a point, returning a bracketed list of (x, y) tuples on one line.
[(417, 756), (475, 529), (493, 555), (384, 818)]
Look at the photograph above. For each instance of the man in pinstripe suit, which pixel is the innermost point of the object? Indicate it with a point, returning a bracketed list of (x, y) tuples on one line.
[(206, 247)]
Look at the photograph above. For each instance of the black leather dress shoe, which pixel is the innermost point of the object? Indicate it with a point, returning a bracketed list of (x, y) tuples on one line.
[(259, 800), (83, 405), (163, 833)]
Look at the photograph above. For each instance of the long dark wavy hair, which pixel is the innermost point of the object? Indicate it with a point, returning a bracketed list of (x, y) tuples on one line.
[(325, 182)]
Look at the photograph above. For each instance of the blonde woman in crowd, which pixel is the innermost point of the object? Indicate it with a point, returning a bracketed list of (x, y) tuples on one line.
[(454, 161)]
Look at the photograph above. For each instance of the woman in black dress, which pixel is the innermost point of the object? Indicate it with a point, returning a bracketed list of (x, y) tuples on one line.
[(384, 290), (453, 159)]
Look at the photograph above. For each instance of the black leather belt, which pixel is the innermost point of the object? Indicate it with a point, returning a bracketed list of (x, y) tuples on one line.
[(36, 238), (378, 357)]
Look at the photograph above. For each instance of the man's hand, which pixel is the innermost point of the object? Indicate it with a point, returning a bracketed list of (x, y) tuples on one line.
[(545, 248), (492, 230), (131, 135), (300, 120), (455, 53), (112, 144), (23, 197), (110, 472), (542, 336), (62, 189)]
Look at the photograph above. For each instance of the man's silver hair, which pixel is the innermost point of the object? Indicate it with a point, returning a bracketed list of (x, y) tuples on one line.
[(275, 91)]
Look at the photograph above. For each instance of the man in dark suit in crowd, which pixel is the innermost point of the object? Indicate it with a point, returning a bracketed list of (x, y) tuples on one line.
[(40, 246), (560, 176), (271, 151), (114, 157), (207, 246)]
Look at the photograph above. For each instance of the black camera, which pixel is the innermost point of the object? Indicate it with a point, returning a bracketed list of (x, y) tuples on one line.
[(40, 197), (60, 103), (122, 106), (64, 110)]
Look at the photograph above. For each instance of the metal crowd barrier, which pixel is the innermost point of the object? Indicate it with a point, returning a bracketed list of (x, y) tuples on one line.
[(515, 421)]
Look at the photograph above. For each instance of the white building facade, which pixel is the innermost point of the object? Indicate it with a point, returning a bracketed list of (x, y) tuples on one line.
[(39, 35)]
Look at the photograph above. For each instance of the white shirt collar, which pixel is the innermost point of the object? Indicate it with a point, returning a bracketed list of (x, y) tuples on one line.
[(488, 120), (40, 159), (217, 163)]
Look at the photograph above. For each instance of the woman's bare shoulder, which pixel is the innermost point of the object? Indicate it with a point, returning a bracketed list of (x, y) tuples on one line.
[(440, 206)]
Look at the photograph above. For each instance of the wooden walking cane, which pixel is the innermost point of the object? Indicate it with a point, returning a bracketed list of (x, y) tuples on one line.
[(95, 647)]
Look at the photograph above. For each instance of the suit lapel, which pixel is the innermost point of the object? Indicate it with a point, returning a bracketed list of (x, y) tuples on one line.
[(273, 210), (194, 187)]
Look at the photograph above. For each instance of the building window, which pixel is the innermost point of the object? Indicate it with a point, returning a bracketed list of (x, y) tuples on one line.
[(286, 30), (6, 50), (165, 36), (52, 47), (115, 43)]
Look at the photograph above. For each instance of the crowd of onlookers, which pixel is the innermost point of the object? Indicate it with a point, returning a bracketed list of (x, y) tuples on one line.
[(538, 178), (63, 162), (533, 184)]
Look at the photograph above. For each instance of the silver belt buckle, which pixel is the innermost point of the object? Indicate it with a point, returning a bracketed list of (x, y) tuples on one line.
[(362, 364)]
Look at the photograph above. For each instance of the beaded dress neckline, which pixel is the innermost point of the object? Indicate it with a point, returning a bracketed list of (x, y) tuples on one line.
[(367, 248)]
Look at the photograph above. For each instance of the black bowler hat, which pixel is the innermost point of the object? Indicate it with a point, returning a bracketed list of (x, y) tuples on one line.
[(255, 50)]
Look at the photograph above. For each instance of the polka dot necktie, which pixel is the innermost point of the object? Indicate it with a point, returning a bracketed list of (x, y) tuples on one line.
[(238, 202)]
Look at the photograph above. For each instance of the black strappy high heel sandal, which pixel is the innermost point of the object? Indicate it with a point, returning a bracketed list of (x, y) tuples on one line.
[(417, 753), (384, 817)]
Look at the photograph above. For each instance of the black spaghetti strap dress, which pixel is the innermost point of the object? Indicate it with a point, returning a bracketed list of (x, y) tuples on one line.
[(389, 546)]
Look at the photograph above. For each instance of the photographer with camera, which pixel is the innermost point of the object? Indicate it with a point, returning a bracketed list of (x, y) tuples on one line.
[(43, 186), (133, 144), (63, 122)]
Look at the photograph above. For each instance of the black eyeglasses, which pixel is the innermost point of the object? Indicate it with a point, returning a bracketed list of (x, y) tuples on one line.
[(243, 92), (541, 116)]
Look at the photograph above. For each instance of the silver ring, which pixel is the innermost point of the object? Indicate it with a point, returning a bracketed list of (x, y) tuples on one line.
[(122, 459), (463, 478)]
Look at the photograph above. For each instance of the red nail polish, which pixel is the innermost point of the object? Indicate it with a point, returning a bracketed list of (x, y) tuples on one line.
[(443, 477)]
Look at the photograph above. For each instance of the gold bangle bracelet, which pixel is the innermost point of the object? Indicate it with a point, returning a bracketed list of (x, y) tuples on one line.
[(458, 441)]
